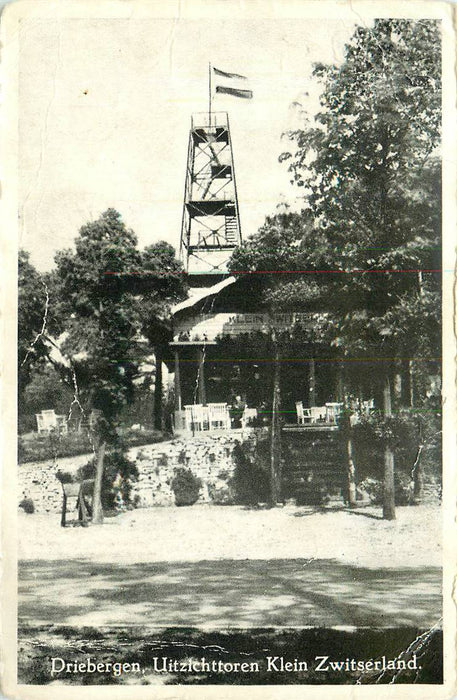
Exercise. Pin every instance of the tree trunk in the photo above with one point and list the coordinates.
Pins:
(352, 483)
(97, 510)
(275, 472)
(158, 389)
(388, 510)
(346, 429)
(417, 481)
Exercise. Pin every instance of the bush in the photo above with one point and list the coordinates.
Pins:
(118, 475)
(251, 478)
(186, 487)
(405, 432)
(27, 505)
(65, 477)
(220, 492)
(43, 447)
(374, 490)
(313, 492)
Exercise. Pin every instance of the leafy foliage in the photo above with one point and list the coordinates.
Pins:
(27, 506)
(251, 479)
(47, 447)
(414, 437)
(32, 309)
(363, 249)
(109, 292)
(185, 486)
(118, 475)
(46, 389)
(371, 175)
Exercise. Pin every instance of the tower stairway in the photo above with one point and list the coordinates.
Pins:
(231, 230)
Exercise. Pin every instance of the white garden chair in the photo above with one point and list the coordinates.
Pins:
(248, 416)
(197, 417)
(333, 411)
(318, 414)
(218, 416)
(48, 420)
(304, 415)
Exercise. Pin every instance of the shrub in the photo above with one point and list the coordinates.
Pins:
(186, 487)
(27, 505)
(251, 479)
(374, 490)
(405, 432)
(43, 447)
(313, 492)
(64, 477)
(118, 475)
(220, 491)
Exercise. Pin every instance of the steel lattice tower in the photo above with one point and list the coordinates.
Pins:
(210, 228)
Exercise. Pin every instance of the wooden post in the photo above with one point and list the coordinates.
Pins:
(82, 510)
(63, 519)
(411, 383)
(201, 377)
(398, 386)
(178, 399)
(177, 423)
(388, 510)
(339, 388)
(312, 383)
(275, 471)
(158, 390)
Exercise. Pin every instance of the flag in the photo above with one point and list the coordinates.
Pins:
(231, 84)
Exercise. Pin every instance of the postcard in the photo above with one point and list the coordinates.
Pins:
(228, 393)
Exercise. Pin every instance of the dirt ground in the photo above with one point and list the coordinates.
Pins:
(214, 567)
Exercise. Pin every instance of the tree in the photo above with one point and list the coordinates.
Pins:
(159, 260)
(108, 292)
(32, 316)
(286, 243)
(47, 390)
(369, 233)
(371, 174)
(370, 170)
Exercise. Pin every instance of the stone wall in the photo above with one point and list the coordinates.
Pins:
(37, 480)
(209, 457)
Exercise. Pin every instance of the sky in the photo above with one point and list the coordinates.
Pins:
(105, 108)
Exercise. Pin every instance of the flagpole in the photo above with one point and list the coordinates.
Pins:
(209, 96)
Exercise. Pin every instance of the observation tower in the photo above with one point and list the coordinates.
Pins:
(210, 228)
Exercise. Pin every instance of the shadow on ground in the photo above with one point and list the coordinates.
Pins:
(227, 594)
(163, 657)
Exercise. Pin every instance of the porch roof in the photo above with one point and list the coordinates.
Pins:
(200, 294)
